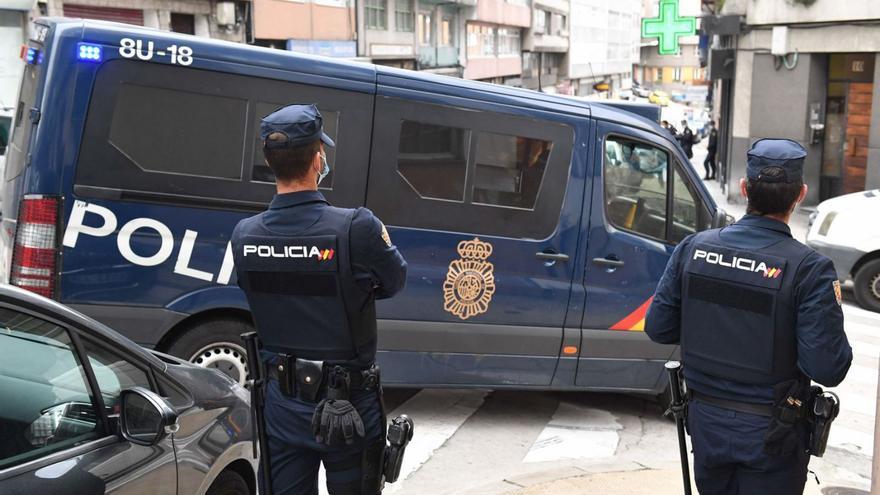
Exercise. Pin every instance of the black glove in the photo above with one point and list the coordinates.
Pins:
(336, 421)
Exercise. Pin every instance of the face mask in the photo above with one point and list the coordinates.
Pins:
(325, 170)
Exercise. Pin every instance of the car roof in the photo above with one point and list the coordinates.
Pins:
(239, 53)
(55, 310)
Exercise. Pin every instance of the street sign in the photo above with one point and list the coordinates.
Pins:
(668, 27)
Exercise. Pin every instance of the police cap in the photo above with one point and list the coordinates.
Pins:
(302, 124)
(784, 154)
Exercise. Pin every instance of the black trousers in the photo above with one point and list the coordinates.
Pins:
(709, 164)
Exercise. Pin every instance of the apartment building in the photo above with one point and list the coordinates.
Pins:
(604, 44)
(493, 42)
(545, 45)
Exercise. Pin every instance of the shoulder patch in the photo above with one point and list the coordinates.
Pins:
(385, 236)
(837, 293)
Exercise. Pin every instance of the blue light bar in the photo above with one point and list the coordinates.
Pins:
(31, 56)
(89, 52)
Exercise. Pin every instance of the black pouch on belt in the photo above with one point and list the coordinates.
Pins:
(309, 379)
(784, 434)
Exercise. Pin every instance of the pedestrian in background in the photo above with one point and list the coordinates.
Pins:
(712, 148)
(686, 139)
(757, 315)
(670, 128)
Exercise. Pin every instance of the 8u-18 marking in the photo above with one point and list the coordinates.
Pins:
(129, 48)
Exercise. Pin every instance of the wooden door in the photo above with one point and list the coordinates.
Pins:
(858, 125)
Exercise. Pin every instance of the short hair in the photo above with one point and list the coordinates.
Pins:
(771, 198)
(290, 164)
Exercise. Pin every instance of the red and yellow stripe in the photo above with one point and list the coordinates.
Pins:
(635, 321)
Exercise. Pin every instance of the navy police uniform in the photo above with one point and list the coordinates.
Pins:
(311, 273)
(757, 314)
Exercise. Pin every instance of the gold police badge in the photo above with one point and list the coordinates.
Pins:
(837, 293)
(470, 281)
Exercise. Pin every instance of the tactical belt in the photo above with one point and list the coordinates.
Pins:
(733, 405)
(360, 379)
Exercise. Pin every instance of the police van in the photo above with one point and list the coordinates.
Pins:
(535, 226)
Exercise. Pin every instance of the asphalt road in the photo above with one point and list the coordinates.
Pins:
(492, 442)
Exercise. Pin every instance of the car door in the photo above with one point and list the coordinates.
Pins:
(644, 202)
(57, 423)
(480, 200)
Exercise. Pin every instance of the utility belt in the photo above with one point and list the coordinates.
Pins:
(795, 412)
(310, 380)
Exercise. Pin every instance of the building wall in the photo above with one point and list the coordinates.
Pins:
(503, 12)
(604, 37)
(872, 177)
(12, 36)
(488, 67)
(281, 20)
(789, 12)
(157, 14)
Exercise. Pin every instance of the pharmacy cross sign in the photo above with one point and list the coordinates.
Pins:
(668, 27)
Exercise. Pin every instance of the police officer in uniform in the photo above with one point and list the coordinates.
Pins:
(311, 273)
(757, 315)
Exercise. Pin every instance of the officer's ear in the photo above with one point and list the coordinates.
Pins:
(742, 188)
(802, 195)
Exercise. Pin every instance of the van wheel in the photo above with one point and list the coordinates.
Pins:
(215, 344)
(867, 286)
(229, 483)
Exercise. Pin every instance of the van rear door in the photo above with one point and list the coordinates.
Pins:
(479, 197)
(644, 202)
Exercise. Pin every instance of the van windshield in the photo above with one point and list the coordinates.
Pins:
(21, 130)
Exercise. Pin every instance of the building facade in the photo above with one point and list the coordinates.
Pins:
(318, 27)
(810, 72)
(545, 45)
(604, 45)
(226, 20)
(493, 40)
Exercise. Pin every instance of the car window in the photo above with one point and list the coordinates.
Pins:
(46, 402)
(113, 374)
(635, 186)
(509, 169)
(688, 212)
(432, 159)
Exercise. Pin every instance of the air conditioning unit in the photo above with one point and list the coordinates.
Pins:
(225, 13)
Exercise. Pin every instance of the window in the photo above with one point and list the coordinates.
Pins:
(403, 15)
(47, 403)
(676, 74)
(168, 131)
(487, 41)
(425, 28)
(196, 141)
(509, 42)
(447, 35)
(557, 24)
(635, 186)
(689, 215)
(374, 11)
(113, 374)
(464, 170)
(433, 159)
(509, 169)
(540, 21)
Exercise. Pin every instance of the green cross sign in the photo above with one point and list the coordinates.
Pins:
(669, 27)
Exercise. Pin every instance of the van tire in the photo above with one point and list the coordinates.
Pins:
(866, 285)
(215, 344)
(229, 483)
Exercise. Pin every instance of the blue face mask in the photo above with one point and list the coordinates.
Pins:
(325, 170)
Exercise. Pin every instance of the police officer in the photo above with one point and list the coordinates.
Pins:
(757, 315)
(311, 273)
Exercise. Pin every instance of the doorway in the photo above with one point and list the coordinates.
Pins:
(847, 124)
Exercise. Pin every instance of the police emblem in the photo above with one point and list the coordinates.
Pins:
(470, 281)
(385, 236)
(837, 294)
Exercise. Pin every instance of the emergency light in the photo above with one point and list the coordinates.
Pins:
(29, 54)
(89, 52)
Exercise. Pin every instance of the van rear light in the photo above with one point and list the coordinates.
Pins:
(35, 254)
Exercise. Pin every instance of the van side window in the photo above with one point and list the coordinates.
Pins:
(175, 132)
(509, 169)
(461, 170)
(433, 159)
(689, 214)
(635, 186)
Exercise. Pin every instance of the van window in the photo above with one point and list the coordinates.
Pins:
(20, 134)
(635, 186)
(689, 214)
(462, 170)
(433, 159)
(509, 169)
(179, 135)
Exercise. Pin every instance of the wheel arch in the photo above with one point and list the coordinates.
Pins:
(866, 258)
(194, 320)
(246, 470)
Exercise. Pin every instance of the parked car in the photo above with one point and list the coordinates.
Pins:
(87, 411)
(659, 98)
(640, 90)
(846, 230)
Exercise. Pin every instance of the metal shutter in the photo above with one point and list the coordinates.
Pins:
(127, 16)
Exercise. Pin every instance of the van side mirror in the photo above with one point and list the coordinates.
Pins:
(722, 219)
(146, 418)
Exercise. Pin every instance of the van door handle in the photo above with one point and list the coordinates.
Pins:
(551, 256)
(609, 262)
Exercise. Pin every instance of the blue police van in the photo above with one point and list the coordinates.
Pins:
(535, 226)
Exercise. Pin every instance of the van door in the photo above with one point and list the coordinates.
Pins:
(484, 205)
(644, 202)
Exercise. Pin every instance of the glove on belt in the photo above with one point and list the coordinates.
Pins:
(336, 422)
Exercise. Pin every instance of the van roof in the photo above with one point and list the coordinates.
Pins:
(226, 51)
